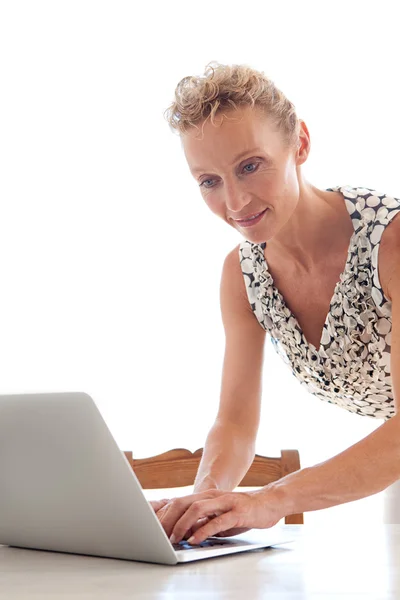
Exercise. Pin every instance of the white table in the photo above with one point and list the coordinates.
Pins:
(363, 562)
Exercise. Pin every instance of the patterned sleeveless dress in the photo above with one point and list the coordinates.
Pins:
(351, 367)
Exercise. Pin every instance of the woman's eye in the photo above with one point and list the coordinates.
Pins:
(253, 165)
(249, 168)
(204, 183)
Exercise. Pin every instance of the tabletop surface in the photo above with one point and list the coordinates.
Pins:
(332, 562)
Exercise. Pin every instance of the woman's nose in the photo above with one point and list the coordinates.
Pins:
(235, 198)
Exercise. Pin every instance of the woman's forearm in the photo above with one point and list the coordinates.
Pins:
(367, 467)
(227, 456)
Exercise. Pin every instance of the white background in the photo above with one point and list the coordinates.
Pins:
(110, 261)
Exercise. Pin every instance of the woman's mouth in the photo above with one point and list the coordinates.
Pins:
(252, 221)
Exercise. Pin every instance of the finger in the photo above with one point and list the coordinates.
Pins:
(199, 523)
(179, 506)
(158, 504)
(198, 510)
(232, 532)
(218, 525)
(195, 527)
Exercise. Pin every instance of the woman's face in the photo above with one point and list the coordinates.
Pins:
(243, 168)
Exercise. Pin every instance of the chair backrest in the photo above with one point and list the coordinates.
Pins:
(178, 468)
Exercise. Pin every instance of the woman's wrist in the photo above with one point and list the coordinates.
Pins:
(208, 483)
(277, 497)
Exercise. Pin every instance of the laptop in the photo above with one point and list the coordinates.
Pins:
(65, 486)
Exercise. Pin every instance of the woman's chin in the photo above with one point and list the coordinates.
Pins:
(256, 237)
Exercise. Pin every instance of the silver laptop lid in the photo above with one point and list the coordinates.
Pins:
(65, 485)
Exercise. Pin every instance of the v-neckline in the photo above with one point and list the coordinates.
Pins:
(349, 254)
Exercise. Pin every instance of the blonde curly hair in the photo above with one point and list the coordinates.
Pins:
(226, 87)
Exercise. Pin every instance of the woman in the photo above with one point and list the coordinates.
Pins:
(319, 271)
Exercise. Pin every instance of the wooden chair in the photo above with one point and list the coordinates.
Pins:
(178, 468)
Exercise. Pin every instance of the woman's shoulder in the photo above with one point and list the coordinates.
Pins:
(368, 199)
(389, 270)
(371, 195)
(362, 191)
(371, 210)
(236, 280)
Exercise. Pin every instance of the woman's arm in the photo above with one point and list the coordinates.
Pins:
(365, 468)
(230, 445)
(372, 464)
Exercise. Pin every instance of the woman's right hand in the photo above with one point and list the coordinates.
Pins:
(161, 507)
(158, 505)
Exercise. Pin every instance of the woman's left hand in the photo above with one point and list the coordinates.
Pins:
(215, 512)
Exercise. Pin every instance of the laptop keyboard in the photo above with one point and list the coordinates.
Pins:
(209, 543)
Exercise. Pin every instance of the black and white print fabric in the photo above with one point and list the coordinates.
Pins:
(351, 368)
